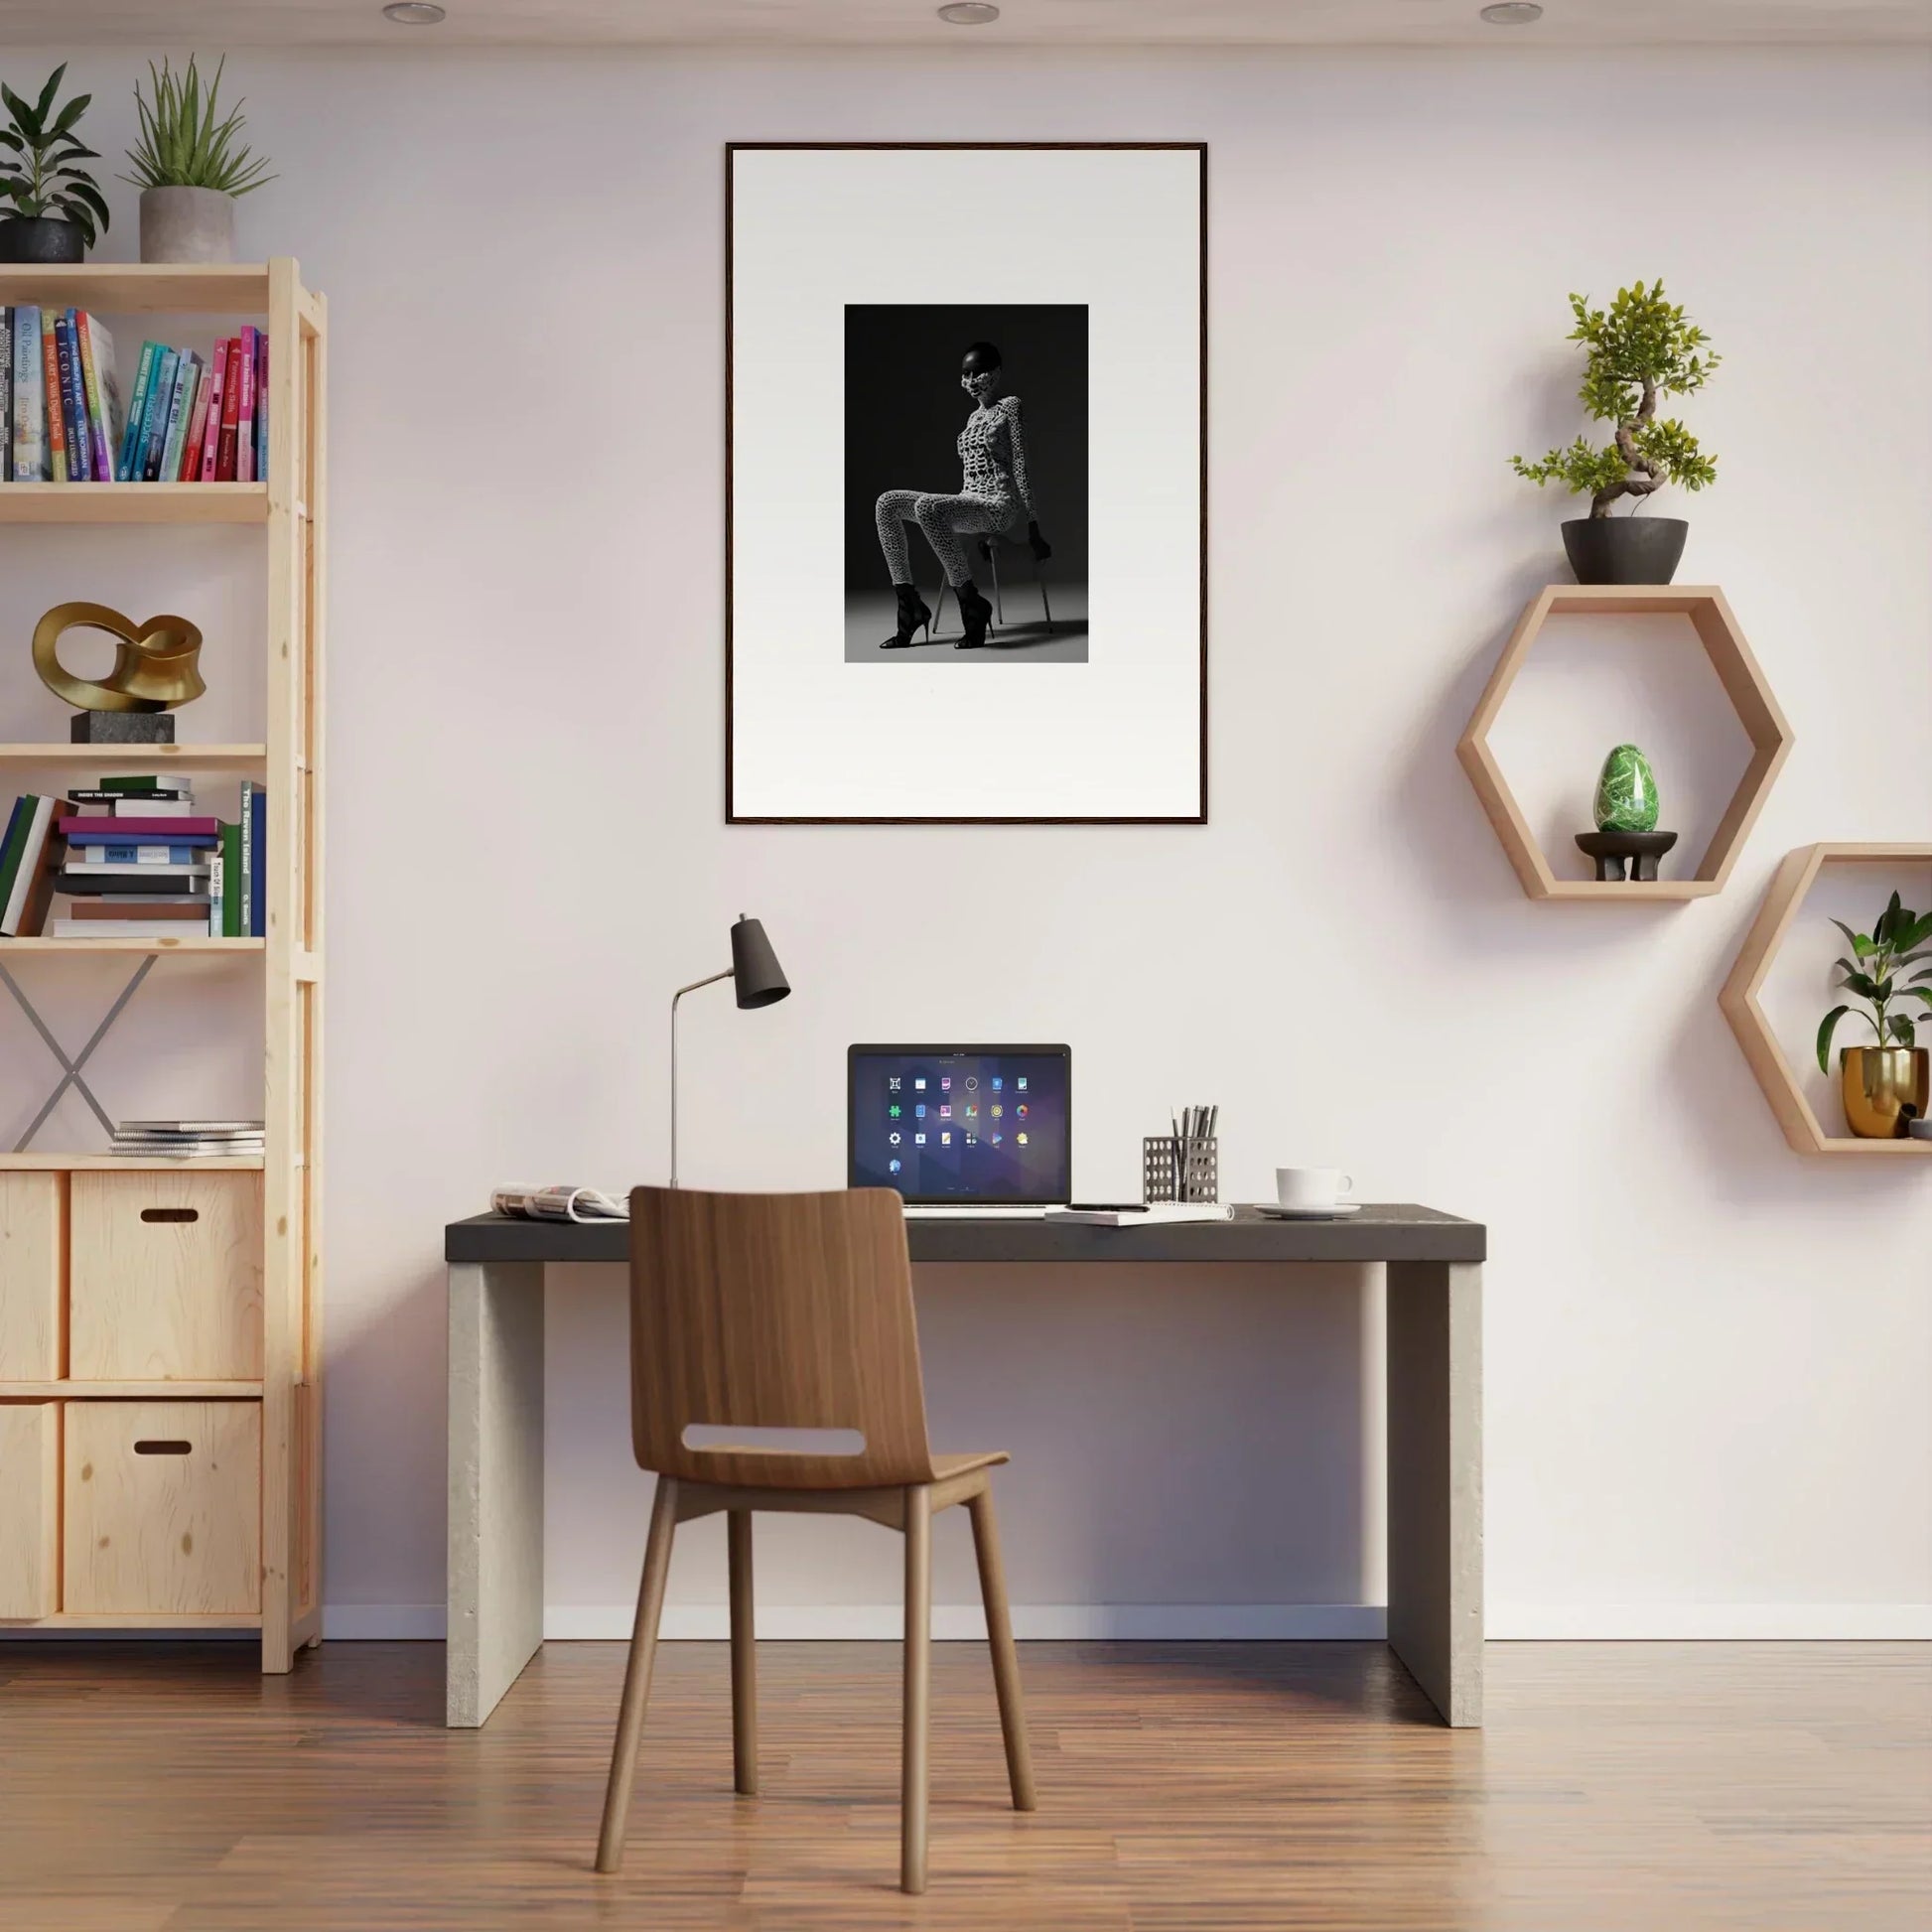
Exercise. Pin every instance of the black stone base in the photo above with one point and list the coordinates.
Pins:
(1611, 849)
(122, 728)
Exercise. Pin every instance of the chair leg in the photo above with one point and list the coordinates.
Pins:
(1045, 602)
(1006, 1660)
(744, 1667)
(939, 610)
(636, 1676)
(917, 1711)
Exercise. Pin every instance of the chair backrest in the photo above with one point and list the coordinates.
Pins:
(761, 1311)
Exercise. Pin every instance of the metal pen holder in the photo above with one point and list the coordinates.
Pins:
(1175, 1169)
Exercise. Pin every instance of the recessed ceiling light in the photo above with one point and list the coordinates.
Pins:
(413, 13)
(1512, 13)
(969, 13)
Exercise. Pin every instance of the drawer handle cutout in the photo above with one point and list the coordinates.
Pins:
(171, 1213)
(153, 1447)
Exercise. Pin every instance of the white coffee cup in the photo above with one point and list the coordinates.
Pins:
(1312, 1187)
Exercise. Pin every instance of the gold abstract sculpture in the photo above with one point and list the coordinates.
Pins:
(154, 662)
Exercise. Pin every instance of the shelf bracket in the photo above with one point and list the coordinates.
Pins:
(71, 1075)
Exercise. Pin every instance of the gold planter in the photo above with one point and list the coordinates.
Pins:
(1879, 1083)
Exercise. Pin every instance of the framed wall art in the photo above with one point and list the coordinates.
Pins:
(966, 495)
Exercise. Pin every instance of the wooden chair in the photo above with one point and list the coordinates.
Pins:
(777, 1312)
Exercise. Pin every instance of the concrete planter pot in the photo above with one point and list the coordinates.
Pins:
(187, 224)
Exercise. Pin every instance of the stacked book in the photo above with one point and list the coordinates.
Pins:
(187, 1139)
(188, 419)
(137, 861)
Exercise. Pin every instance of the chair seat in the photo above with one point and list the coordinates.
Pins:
(944, 1467)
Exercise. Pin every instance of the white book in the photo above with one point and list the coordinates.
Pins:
(152, 808)
(1161, 1214)
(123, 929)
(30, 856)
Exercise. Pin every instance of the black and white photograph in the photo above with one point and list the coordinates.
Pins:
(966, 486)
(966, 483)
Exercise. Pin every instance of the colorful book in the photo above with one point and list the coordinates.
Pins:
(154, 425)
(145, 906)
(57, 420)
(247, 815)
(103, 389)
(148, 782)
(133, 855)
(117, 929)
(190, 466)
(261, 406)
(258, 864)
(89, 881)
(224, 457)
(244, 469)
(178, 411)
(6, 394)
(126, 469)
(74, 402)
(100, 831)
(30, 406)
(218, 388)
(9, 846)
(33, 881)
(231, 900)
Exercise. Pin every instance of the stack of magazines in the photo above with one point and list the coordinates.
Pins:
(187, 1139)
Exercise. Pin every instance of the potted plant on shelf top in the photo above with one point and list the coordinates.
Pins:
(1638, 351)
(1884, 1086)
(189, 167)
(57, 210)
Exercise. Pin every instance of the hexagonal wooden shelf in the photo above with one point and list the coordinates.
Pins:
(1793, 879)
(1743, 683)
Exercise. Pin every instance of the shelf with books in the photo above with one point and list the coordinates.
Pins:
(132, 502)
(113, 757)
(283, 497)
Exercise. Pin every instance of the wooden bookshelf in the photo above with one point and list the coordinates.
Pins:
(48, 1199)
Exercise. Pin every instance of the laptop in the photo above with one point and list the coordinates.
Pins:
(962, 1129)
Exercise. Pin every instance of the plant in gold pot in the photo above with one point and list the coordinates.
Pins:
(1884, 1086)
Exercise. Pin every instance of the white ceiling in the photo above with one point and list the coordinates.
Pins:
(217, 24)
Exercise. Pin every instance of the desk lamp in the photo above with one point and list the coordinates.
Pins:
(759, 981)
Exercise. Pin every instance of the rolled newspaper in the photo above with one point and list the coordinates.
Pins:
(558, 1204)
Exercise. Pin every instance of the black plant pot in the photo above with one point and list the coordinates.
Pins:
(1624, 549)
(41, 239)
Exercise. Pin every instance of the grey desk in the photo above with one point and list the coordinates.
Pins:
(1435, 1403)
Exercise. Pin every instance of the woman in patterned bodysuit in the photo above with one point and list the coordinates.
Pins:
(994, 498)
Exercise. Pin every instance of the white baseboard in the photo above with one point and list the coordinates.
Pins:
(1198, 1622)
(1709, 1622)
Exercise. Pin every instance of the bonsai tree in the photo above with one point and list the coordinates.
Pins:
(1895, 941)
(38, 150)
(183, 144)
(1638, 351)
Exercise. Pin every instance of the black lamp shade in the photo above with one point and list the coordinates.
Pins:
(757, 978)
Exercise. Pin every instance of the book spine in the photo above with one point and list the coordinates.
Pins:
(6, 394)
(244, 471)
(261, 406)
(211, 432)
(230, 416)
(232, 882)
(57, 417)
(84, 333)
(191, 448)
(248, 817)
(258, 867)
(16, 823)
(178, 411)
(28, 449)
(137, 405)
(161, 396)
(138, 855)
(217, 900)
(23, 880)
(74, 402)
(39, 863)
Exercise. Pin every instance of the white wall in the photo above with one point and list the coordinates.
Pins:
(1707, 1357)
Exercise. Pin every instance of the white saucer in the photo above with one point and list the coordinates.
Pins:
(1271, 1211)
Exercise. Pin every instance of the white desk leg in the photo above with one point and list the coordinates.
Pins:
(1435, 1328)
(495, 1574)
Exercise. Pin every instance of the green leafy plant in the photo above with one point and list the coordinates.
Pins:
(38, 150)
(1897, 940)
(1640, 350)
(185, 143)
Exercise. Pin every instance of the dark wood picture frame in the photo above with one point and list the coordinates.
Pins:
(735, 148)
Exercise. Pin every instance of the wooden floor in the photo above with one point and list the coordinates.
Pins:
(1626, 1786)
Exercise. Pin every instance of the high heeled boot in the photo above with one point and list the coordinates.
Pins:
(975, 614)
(912, 615)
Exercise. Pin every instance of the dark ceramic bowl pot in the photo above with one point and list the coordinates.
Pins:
(41, 239)
(1624, 549)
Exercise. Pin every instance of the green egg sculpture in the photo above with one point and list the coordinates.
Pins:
(1626, 792)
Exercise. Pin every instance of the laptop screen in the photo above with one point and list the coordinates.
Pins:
(961, 1124)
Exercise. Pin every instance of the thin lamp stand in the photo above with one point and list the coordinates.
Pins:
(675, 998)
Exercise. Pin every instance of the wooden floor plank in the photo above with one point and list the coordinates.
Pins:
(1183, 1788)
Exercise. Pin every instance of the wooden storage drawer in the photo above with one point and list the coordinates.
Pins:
(166, 1277)
(162, 1503)
(32, 1269)
(29, 1508)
